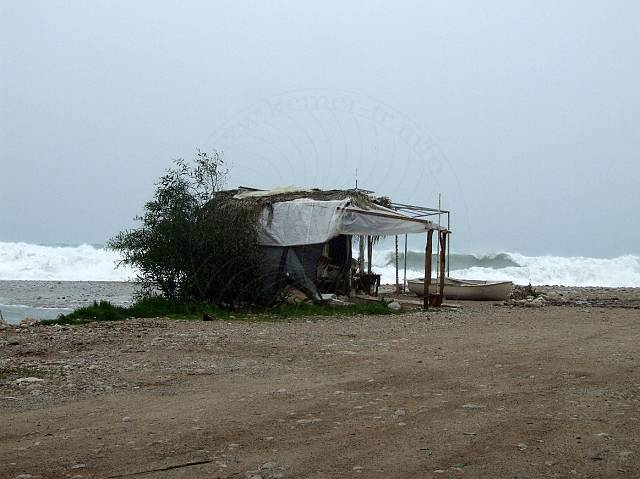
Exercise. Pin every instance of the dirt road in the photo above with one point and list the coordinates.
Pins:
(488, 391)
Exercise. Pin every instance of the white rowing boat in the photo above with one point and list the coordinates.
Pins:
(465, 289)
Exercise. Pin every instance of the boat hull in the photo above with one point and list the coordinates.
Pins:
(458, 289)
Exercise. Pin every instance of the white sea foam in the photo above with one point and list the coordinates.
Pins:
(24, 261)
(622, 271)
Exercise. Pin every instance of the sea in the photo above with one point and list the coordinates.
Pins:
(44, 281)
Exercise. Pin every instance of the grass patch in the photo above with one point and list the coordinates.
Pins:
(159, 307)
(103, 311)
(144, 308)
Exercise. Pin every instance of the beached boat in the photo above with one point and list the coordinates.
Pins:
(466, 289)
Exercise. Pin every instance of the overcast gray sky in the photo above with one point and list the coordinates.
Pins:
(523, 114)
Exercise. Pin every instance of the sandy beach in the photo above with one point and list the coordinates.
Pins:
(486, 390)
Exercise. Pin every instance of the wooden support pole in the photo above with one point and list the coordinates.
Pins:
(427, 267)
(369, 253)
(350, 275)
(448, 242)
(397, 269)
(404, 280)
(441, 265)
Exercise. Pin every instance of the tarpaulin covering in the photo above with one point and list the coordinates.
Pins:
(305, 221)
(379, 222)
(300, 222)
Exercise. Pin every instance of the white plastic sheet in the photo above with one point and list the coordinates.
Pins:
(299, 222)
(379, 222)
(306, 221)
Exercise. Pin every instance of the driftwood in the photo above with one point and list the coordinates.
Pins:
(160, 469)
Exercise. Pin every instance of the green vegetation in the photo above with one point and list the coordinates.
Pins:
(194, 243)
(156, 307)
(151, 307)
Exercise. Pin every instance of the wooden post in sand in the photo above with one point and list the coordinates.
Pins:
(397, 269)
(441, 265)
(369, 253)
(427, 267)
(361, 254)
(404, 278)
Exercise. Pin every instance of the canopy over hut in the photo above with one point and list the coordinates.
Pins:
(306, 236)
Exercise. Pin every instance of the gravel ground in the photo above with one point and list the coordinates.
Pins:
(487, 390)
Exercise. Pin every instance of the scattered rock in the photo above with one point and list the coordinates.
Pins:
(29, 322)
(308, 421)
(535, 303)
(523, 292)
(295, 296)
(268, 470)
(29, 380)
(394, 306)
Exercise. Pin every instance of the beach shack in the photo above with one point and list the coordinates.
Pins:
(307, 238)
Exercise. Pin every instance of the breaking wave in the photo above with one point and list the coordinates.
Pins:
(25, 261)
(622, 271)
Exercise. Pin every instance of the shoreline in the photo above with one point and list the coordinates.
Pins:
(20, 299)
